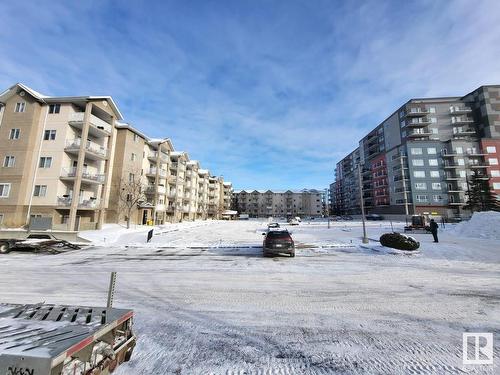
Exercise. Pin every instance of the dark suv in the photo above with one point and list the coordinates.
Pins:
(277, 242)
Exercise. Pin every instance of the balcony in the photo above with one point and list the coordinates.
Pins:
(151, 189)
(89, 204)
(415, 134)
(89, 177)
(452, 177)
(463, 132)
(98, 128)
(415, 112)
(453, 166)
(461, 120)
(92, 150)
(460, 110)
(151, 172)
(418, 122)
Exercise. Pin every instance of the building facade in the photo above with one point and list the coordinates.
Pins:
(259, 203)
(420, 159)
(66, 159)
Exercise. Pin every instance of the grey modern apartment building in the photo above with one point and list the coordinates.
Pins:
(265, 203)
(421, 158)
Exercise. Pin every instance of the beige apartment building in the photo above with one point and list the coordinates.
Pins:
(67, 159)
(289, 203)
(56, 155)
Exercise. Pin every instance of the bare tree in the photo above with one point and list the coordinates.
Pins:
(131, 192)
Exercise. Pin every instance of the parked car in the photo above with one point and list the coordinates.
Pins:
(273, 225)
(346, 217)
(278, 242)
(243, 217)
(374, 217)
(294, 221)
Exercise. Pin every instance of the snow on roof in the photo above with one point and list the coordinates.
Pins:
(227, 183)
(203, 171)
(124, 125)
(303, 191)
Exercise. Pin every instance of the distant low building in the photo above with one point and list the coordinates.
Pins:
(264, 203)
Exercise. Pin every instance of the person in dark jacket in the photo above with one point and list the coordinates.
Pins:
(434, 230)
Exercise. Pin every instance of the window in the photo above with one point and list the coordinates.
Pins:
(496, 185)
(491, 149)
(421, 198)
(435, 131)
(418, 162)
(432, 109)
(459, 150)
(4, 190)
(14, 133)
(40, 191)
(402, 124)
(431, 150)
(495, 173)
(136, 137)
(493, 161)
(461, 162)
(20, 107)
(434, 174)
(45, 162)
(436, 186)
(433, 162)
(49, 135)
(54, 108)
(437, 198)
(421, 186)
(1, 219)
(133, 156)
(9, 161)
(416, 151)
(131, 177)
(462, 174)
(419, 174)
(433, 120)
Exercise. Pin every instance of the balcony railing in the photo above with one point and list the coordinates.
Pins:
(83, 203)
(94, 121)
(459, 110)
(417, 112)
(86, 175)
(74, 144)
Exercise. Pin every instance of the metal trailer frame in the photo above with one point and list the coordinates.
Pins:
(45, 339)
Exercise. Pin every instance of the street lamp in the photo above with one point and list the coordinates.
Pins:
(365, 239)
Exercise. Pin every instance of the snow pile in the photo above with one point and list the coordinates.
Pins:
(481, 225)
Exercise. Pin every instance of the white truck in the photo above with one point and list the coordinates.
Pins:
(44, 339)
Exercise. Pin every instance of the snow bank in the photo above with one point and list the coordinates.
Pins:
(481, 225)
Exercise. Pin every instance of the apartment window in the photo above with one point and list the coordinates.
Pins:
(131, 177)
(421, 198)
(493, 161)
(4, 190)
(434, 131)
(49, 135)
(496, 185)
(491, 149)
(136, 137)
(433, 162)
(133, 157)
(20, 107)
(436, 186)
(431, 150)
(9, 161)
(54, 108)
(433, 120)
(437, 198)
(461, 162)
(432, 109)
(495, 173)
(419, 174)
(1, 219)
(459, 150)
(402, 124)
(416, 151)
(421, 186)
(14, 133)
(462, 174)
(418, 162)
(40, 191)
(45, 162)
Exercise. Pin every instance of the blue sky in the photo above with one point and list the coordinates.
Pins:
(270, 94)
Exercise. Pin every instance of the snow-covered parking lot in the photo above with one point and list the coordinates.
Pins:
(206, 301)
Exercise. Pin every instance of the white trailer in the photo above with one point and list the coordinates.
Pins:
(46, 339)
